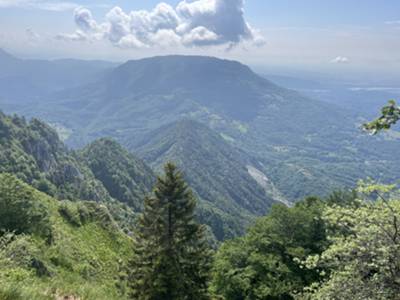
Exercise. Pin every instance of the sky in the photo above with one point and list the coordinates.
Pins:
(351, 35)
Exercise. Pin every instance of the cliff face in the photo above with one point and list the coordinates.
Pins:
(33, 152)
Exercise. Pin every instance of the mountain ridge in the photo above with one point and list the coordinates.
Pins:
(304, 146)
(215, 170)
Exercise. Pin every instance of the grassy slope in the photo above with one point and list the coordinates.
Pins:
(85, 258)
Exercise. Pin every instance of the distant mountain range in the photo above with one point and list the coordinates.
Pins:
(243, 141)
(27, 80)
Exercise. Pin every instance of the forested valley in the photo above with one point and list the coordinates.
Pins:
(98, 223)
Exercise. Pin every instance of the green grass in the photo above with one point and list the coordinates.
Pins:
(85, 260)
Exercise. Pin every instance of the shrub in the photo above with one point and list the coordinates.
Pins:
(20, 209)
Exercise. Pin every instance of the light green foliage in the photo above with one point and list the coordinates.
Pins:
(19, 210)
(390, 115)
(172, 257)
(364, 255)
(265, 264)
(85, 255)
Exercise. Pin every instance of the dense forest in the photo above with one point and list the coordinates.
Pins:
(98, 223)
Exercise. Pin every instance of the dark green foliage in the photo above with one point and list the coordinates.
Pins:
(33, 152)
(390, 116)
(124, 176)
(217, 172)
(20, 210)
(265, 264)
(172, 257)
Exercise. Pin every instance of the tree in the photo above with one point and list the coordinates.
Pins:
(390, 116)
(172, 257)
(265, 264)
(364, 255)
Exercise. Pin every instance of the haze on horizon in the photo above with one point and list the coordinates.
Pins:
(340, 37)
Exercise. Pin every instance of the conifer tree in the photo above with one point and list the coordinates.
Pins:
(172, 257)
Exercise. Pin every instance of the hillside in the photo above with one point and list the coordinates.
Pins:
(125, 177)
(215, 170)
(58, 249)
(106, 172)
(33, 152)
(303, 146)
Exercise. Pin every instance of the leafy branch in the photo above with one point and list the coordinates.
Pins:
(390, 116)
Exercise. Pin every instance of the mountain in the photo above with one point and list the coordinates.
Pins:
(25, 81)
(125, 177)
(54, 249)
(103, 172)
(216, 171)
(140, 96)
(303, 146)
(33, 152)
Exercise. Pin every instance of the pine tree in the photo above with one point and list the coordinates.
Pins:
(172, 257)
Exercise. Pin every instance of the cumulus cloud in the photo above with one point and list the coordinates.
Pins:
(340, 60)
(40, 4)
(190, 24)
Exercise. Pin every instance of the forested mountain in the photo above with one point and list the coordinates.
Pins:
(33, 152)
(105, 172)
(303, 146)
(125, 177)
(212, 167)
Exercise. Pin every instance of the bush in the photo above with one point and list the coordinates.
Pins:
(20, 209)
(69, 211)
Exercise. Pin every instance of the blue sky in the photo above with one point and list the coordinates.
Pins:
(350, 34)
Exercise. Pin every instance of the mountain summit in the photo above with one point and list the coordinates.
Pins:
(229, 87)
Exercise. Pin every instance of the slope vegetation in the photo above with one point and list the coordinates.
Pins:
(214, 169)
(51, 249)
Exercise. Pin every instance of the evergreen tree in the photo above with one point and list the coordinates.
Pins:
(172, 257)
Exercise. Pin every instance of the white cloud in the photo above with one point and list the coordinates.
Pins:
(77, 36)
(340, 60)
(84, 19)
(130, 41)
(190, 24)
(40, 4)
(200, 36)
